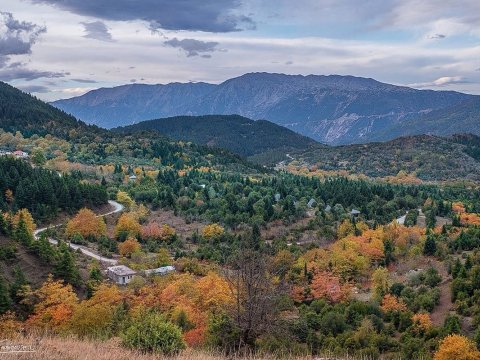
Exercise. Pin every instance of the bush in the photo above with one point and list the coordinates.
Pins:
(150, 332)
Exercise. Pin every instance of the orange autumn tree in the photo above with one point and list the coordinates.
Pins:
(86, 224)
(391, 304)
(129, 246)
(422, 322)
(54, 306)
(127, 226)
(324, 285)
(187, 301)
(456, 347)
(153, 231)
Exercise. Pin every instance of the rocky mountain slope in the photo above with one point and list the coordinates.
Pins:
(332, 109)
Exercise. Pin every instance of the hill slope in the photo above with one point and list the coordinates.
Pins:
(431, 158)
(332, 109)
(235, 133)
(462, 117)
(22, 112)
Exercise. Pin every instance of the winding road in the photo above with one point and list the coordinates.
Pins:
(116, 209)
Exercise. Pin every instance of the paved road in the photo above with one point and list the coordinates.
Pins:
(116, 208)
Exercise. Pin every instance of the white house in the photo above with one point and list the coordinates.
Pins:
(164, 270)
(121, 274)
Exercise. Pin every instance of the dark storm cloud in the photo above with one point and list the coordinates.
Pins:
(97, 30)
(193, 47)
(19, 71)
(205, 15)
(16, 37)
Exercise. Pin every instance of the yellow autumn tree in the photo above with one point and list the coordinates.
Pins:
(25, 215)
(127, 226)
(87, 224)
(125, 199)
(212, 231)
(94, 316)
(457, 347)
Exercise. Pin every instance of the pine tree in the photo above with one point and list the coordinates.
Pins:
(22, 233)
(20, 280)
(430, 246)
(66, 268)
(5, 300)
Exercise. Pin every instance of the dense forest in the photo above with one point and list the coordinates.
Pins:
(43, 192)
(240, 135)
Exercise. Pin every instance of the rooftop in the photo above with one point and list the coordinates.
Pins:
(121, 270)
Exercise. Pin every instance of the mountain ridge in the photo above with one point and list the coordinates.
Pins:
(333, 109)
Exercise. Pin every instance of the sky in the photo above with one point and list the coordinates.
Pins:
(63, 48)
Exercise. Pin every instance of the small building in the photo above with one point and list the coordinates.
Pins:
(132, 177)
(311, 203)
(354, 212)
(277, 197)
(121, 274)
(19, 154)
(164, 270)
(328, 208)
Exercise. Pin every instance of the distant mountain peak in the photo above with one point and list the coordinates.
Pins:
(333, 109)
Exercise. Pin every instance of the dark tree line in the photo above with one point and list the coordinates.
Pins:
(43, 192)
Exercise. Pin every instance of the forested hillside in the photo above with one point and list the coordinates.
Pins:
(43, 192)
(425, 157)
(235, 133)
(22, 112)
(207, 252)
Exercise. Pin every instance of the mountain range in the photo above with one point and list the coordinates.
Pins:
(431, 158)
(331, 109)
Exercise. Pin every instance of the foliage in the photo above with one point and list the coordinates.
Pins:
(129, 246)
(456, 347)
(150, 332)
(86, 224)
(127, 226)
(54, 305)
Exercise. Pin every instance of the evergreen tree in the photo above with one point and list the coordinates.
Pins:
(5, 300)
(66, 268)
(430, 246)
(19, 281)
(22, 233)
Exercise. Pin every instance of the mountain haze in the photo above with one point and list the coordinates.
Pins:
(332, 109)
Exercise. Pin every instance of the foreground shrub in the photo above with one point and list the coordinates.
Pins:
(149, 332)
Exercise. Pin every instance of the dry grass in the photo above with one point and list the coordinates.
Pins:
(51, 348)
(56, 348)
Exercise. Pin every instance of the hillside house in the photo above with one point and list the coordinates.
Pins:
(164, 270)
(120, 274)
(19, 154)
(354, 213)
(311, 203)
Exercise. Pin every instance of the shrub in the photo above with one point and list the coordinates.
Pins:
(150, 332)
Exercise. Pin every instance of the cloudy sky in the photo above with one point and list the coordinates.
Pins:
(57, 49)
